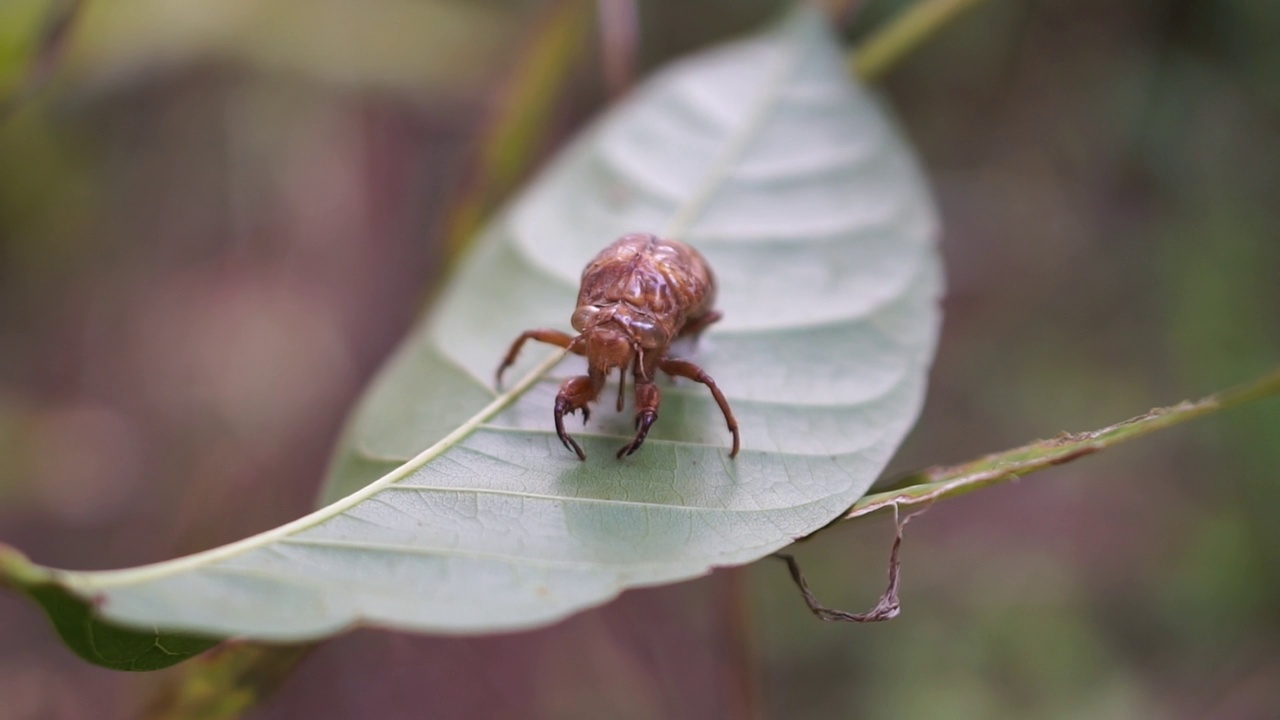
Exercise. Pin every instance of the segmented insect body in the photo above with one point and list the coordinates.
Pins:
(637, 296)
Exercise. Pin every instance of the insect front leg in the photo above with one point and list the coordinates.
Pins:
(647, 401)
(574, 395)
(684, 368)
(551, 337)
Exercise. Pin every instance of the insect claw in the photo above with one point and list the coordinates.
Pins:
(571, 444)
(630, 448)
(644, 421)
(561, 407)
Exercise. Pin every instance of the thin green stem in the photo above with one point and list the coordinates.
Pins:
(525, 105)
(889, 45)
(47, 51)
(935, 483)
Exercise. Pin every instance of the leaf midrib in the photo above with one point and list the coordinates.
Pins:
(87, 580)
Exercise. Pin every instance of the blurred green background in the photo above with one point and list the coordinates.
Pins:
(219, 216)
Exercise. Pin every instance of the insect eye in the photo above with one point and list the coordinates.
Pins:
(648, 334)
(583, 317)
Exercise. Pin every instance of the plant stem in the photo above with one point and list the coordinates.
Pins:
(889, 45)
(46, 55)
(525, 106)
(226, 682)
(945, 481)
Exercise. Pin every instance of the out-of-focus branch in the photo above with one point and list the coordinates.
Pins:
(619, 42)
(889, 45)
(227, 681)
(841, 12)
(46, 51)
(522, 113)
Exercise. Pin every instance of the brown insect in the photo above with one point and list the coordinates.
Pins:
(637, 296)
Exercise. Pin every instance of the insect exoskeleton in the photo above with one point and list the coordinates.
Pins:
(637, 296)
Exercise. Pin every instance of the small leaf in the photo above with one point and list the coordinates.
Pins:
(811, 210)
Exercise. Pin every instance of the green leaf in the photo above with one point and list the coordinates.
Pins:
(810, 207)
(98, 642)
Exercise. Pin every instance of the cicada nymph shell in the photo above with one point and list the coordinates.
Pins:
(637, 296)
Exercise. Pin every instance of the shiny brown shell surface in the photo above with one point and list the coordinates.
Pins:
(666, 280)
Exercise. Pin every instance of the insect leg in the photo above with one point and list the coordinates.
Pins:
(647, 401)
(694, 327)
(551, 337)
(684, 368)
(622, 387)
(574, 395)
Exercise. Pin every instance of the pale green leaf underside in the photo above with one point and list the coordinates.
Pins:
(811, 210)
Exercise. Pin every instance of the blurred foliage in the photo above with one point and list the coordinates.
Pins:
(23, 25)
(217, 218)
(517, 125)
(398, 44)
(227, 682)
